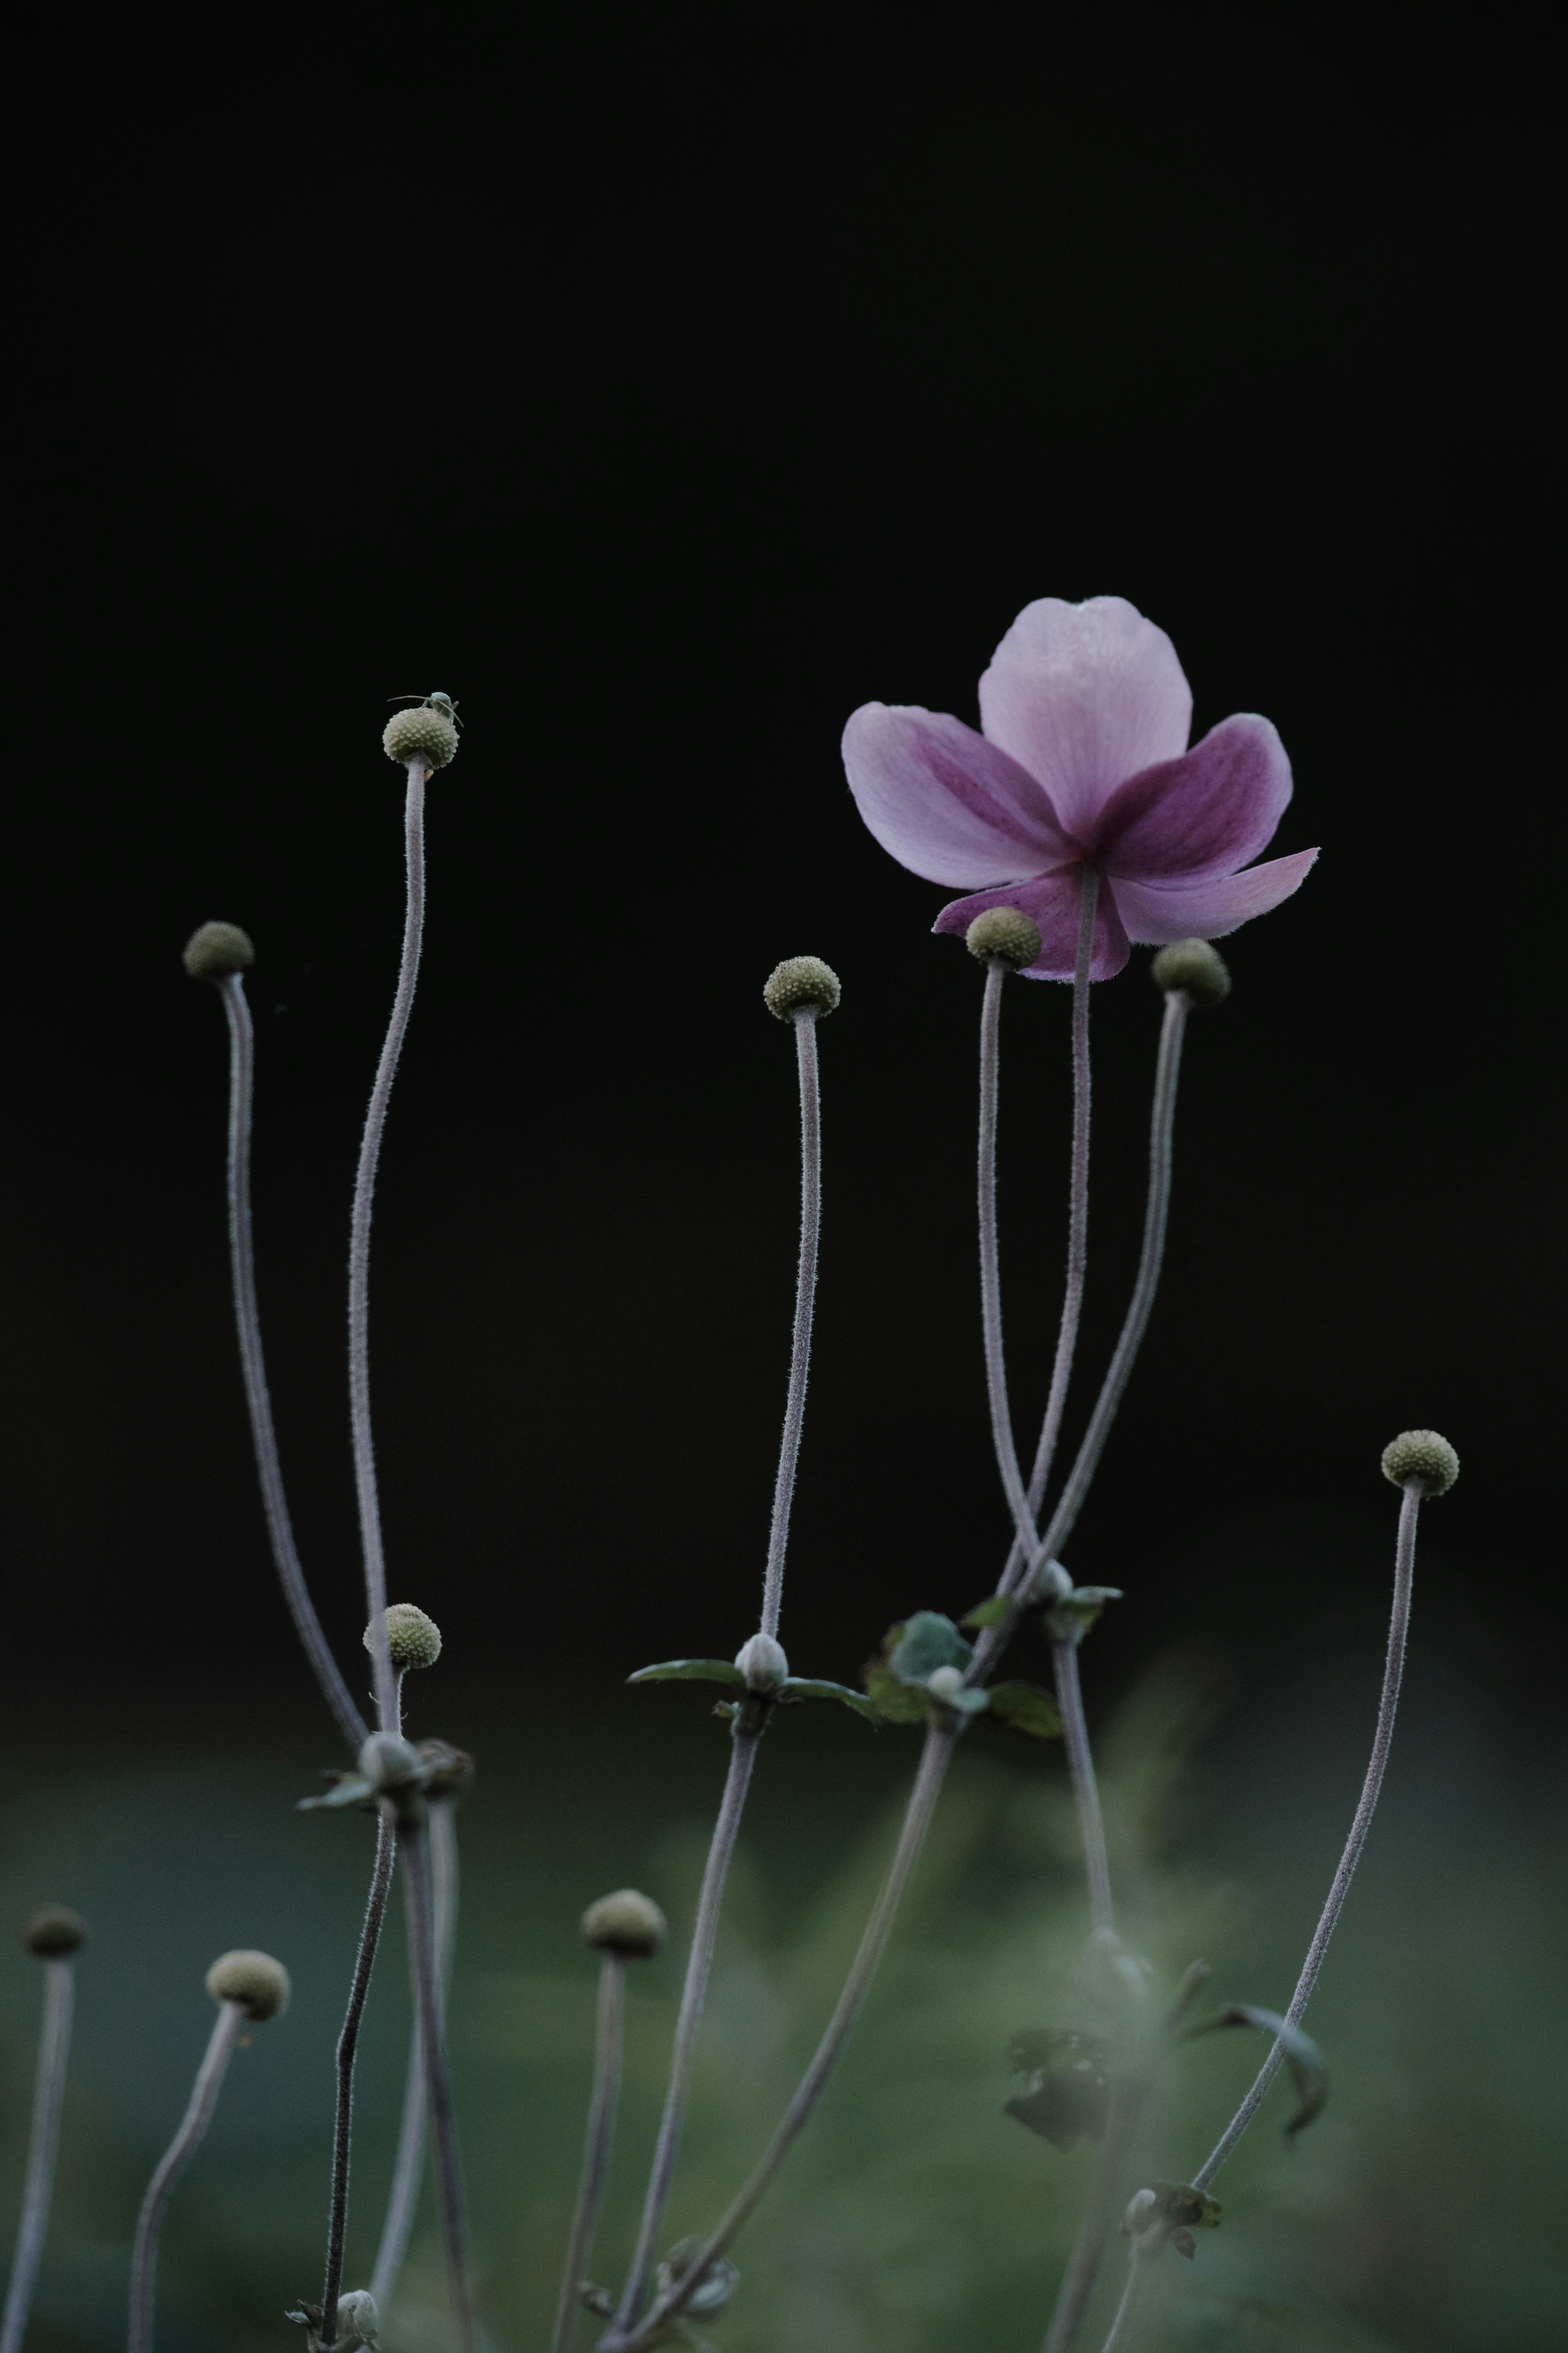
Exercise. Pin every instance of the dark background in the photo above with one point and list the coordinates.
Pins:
(663, 385)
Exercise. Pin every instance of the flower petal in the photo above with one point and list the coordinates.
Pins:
(1206, 813)
(947, 804)
(1051, 903)
(1156, 913)
(1085, 696)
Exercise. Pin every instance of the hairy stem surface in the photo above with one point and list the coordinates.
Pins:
(427, 2005)
(49, 2095)
(804, 1301)
(1001, 1436)
(1086, 1788)
(410, 2165)
(1107, 2198)
(596, 2142)
(348, 2044)
(175, 2157)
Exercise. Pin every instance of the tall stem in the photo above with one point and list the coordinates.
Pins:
(1383, 1738)
(248, 1323)
(1120, 2331)
(411, 1838)
(934, 1761)
(176, 2157)
(410, 2165)
(596, 2147)
(805, 1300)
(990, 1268)
(1106, 2194)
(1086, 1788)
(693, 1993)
(49, 2095)
(348, 2043)
(358, 1251)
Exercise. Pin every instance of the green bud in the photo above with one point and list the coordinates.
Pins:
(414, 1640)
(1422, 1455)
(624, 1922)
(215, 951)
(53, 1932)
(255, 1980)
(763, 1662)
(1004, 936)
(1195, 968)
(798, 982)
(422, 734)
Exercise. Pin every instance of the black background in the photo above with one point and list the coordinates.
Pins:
(663, 384)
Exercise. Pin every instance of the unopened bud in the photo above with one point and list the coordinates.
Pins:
(799, 982)
(945, 1683)
(414, 1640)
(53, 1932)
(763, 1662)
(389, 1764)
(422, 734)
(1140, 2212)
(257, 1983)
(1004, 936)
(215, 951)
(624, 1922)
(1421, 1455)
(358, 2319)
(450, 1771)
(1194, 967)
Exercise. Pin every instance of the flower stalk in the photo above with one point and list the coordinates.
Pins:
(414, 1845)
(48, 2097)
(409, 2164)
(805, 1021)
(348, 2045)
(193, 2128)
(602, 2105)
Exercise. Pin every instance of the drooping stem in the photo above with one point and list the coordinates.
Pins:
(348, 2044)
(1387, 1707)
(934, 1761)
(805, 1300)
(409, 2166)
(175, 2157)
(248, 1323)
(358, 1251)
(596, 2142)
(1086, 1788)
(49, 2095)
(415, 1846)
(990, 1268)
(693, 1994)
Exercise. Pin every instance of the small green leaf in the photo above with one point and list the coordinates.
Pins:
(1309, 2068)
(728, 1709)
(351, 1790)
(804, 1687)
(1027, 1707)
(1069, 2097)
(1069, 1619)
(895, 1702)
(690, 1671)
(1186, 2207)
(929, 1640)
(989, 1612)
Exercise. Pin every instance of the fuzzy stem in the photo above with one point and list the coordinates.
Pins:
(49, 2095)
(348, 2043)
(1086, 1788)
(248, 1323)
(934, 1761)
(427, 2008)
(175, 2157)
(409, 2166)
(693, 1993)
(358, 1251)
(596, 2147)
(805, 1299)
(1388, 1702)
(1100, 2215)
(990, 1270)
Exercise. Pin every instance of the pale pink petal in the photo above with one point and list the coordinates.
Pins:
(1051, 903)
(1085, 695)
(946, 803)
(1206, 813)
(1155, 913)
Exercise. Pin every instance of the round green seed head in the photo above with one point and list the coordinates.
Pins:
(421, 733)
(255, 1980)
(1004, 936)
(1423, 1455)
(214, 951)
(624, 1922)
(798, 982)
(53, 1932)
(414, 1640)
(1196, 967)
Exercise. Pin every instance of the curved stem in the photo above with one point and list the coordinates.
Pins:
(1086, 1788)
(596, 2147)
(1106, 2194)
(693, 1993)
(427, 2005)
(410, 2165)
(990, 1268)
(49, 2095)
(934, 1761)
(1387, 1707)
(358, 1251)
(1120, 2331)
(248, 1323)
(348, 2043)
(805, 1299)
(176, 2157)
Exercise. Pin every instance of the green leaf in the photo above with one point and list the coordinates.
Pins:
(989, 1612)
(1069, 2098)
(1184, 2207)
(895, 1702)
(1027, 1707)
(690, 1671)
(1070, 1618)
(929, 1640)
(1034, 2047)
(804, 1687)
(351, 1790)
(1309, 2068)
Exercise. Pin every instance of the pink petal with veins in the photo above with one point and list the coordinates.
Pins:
(1206, 813)
(1155, 913)
(1051, 903)
(947, 804)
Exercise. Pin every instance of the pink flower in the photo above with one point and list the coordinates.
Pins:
(1082, 760)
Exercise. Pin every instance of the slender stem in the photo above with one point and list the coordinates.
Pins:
(175, 2157)
(1085, 1790)
(248, 1323)
(358, 1251)
(1121, 2329)
(934, 1761)
(805, 1299)
(1002, 1437)
(410, 2162)
(348, 2043)
(596, 2147)
(427, 2006)
(49, 2095)
(693, 1993)
(1100, 2215)
(1393, 1672)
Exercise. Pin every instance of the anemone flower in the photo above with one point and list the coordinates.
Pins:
(1081, 760)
